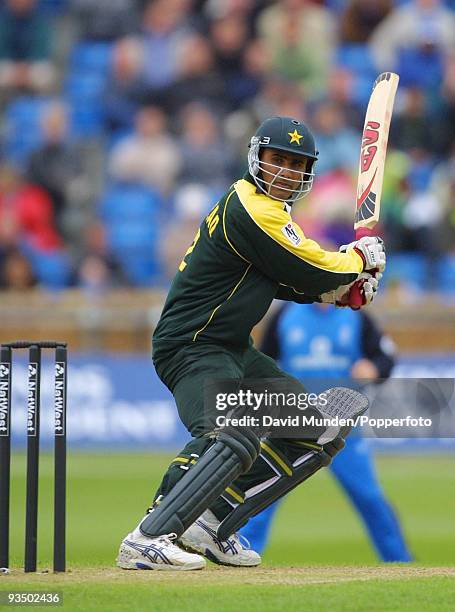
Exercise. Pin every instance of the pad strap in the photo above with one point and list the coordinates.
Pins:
(261, 496)
(233, 453)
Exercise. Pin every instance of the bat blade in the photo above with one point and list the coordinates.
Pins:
(373, 152)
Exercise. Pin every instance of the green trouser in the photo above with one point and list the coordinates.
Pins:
(184, 372)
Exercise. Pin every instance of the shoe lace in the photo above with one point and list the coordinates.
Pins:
(168, 539)
(243, 541)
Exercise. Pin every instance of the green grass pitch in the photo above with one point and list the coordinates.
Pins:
(319, 556)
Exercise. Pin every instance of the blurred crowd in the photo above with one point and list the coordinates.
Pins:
(122, 122)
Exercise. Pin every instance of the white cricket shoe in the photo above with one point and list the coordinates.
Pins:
(138, 552)
(201, 537)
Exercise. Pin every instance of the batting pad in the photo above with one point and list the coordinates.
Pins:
(343, 405)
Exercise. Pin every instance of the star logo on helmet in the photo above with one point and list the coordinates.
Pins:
(295, 137)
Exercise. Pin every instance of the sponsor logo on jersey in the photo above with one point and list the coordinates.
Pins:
(290, 233)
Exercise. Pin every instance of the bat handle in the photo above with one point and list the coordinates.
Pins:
(355, 296)
(355, 293)
(362, 232)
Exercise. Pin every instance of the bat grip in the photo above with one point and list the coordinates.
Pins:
(355, 293)
(362, 232)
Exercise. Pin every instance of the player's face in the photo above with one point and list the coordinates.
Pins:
(283, 170)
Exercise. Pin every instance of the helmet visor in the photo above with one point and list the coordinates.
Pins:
(278, 182)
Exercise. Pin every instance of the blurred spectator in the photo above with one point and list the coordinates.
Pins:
(255, 69)
(423, 211)
(413, 37)
(292, 106)
(25, 48)
(165, 25)
(124, 90)
(340, 89)
(411, 121)
(192, 202)
(26, 214)
(15, 271)
(97, 270)
(442, 186)
(104, 19)
(206, 158)
(274, 92)
(394, 197)
(149, 156)
(443, 119)
(245, 10)
(197, 79)
(56, 165)
(292, 30)
(229, 36)
(338, 144)
(360, 18)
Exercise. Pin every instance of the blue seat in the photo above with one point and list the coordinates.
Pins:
(123, 202)
(141, 271)
(86, 120)
(357, 58)
(81, 85)
(52, 269)
(23, 132)
(91, 58)
(420, 68)
(446, 274)
(84, 95)
(132, 236)
(130, 213)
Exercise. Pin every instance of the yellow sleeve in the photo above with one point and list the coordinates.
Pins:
(264, 233)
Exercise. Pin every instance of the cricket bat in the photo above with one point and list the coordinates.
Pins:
(372, 161)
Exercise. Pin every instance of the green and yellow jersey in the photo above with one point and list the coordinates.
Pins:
(246, 252)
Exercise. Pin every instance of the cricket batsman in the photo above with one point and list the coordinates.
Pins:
(247, 252)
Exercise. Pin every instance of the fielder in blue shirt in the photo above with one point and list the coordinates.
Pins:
(316, 341)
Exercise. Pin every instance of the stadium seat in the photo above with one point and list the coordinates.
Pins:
(83, 93)
(141, 271)
(446, 274)
(52, 268)
(124, 202)
(420, 68)
(91, 58)
(130, 213)
(84, 85)
(357, 58)
(23, 131)
(133, 236)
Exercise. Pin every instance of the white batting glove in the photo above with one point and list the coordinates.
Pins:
(370, 286)
(371, 250)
